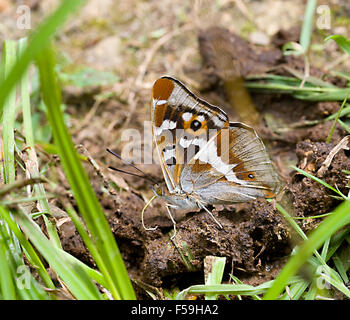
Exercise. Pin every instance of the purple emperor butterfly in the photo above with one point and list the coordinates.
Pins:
(205, 159)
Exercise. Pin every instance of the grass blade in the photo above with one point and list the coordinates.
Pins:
(8, 119)
(7, 285)
(32, 163)
(318, 180)
(295, 290)
(306, 30)
(337, 118)
(70, 271)
(10, 251)
(342, 42)
(232, 289)
(340, 267)
(330, 225)
(31, 254)
(344, 125)
(38, 41)
(109, 261)
(214, 270)
(320, 263)
(25, 98)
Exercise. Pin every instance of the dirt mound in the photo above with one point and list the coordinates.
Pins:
(255, 238)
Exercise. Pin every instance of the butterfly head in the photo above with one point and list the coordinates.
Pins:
(160, 190)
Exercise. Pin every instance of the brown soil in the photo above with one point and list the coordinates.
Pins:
(142, 40)
(255, 239)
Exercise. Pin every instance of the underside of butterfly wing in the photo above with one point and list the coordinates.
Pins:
(232, 167)
(181, 123)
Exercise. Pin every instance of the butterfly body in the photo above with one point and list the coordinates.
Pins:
(181, 201)
(205, 159)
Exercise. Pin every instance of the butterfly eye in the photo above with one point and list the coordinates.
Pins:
(159, 191)
(195, 125)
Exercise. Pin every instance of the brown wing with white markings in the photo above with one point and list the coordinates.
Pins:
(232, 167)
(182, 124)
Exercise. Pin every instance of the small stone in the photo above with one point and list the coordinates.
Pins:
(259, 38)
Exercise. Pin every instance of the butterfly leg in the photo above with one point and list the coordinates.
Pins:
(168, 206)
(210, 213)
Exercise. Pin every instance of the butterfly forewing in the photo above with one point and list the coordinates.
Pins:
(182, 125)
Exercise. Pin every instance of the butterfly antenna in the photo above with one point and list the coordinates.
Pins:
(133, 174)
(144, 175)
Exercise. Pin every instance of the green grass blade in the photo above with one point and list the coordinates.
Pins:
(336, 242)
(308, 93)
(313, 217)
(295, 290)
(30, 144)
(306, 30)
(71, 272)
(325, 249)
(10, 251)
(318, 180)
(25, 98)
(329, 226)
(84, 234)
(320, 259)
(336, 119)
(38, 41)
(8, 118)
(111, 264)
(31, 254)
(21, 200)
(343, 113)
(232, 289)
(92, 273)
(7, 286)
(344, 125)
(342, 42)
(333, 95)
(216, 265)
(238, 281)
(340, 267)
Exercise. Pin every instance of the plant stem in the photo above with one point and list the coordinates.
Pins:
(337, 118)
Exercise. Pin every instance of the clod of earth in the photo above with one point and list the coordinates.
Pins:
(255, 238)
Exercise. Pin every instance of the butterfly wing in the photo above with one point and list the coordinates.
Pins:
(232, 167)
(180, 122)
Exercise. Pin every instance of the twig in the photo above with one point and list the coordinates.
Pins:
(306, 71)
(98, 171)
(6, 189)
(343, 144)
(132, 100)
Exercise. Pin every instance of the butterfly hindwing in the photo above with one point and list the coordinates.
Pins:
(232, 167)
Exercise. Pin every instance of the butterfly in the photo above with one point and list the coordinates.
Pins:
(205, 159)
